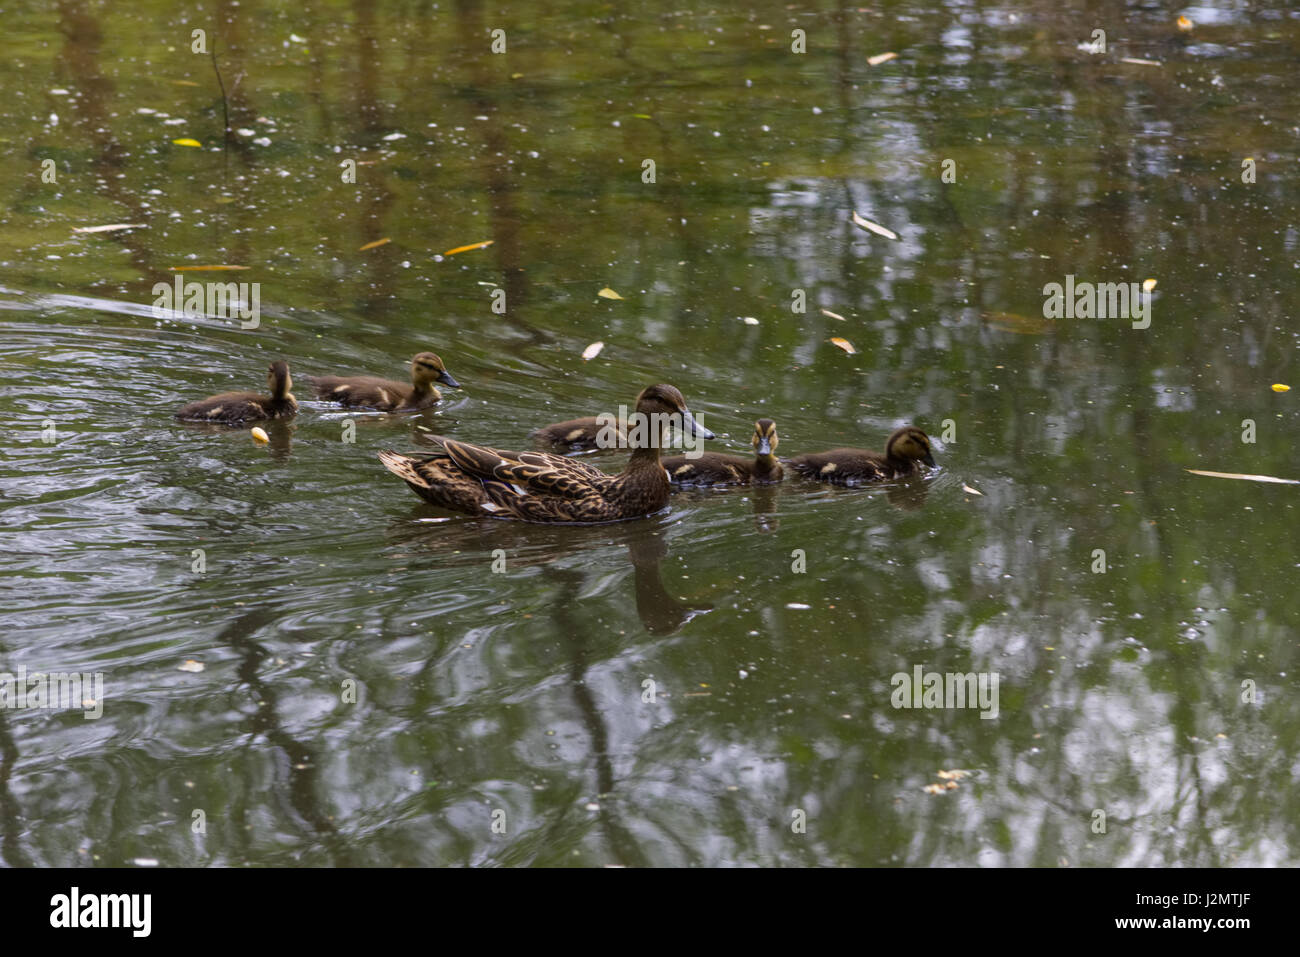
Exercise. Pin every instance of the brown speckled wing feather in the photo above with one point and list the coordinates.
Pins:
(538, 472)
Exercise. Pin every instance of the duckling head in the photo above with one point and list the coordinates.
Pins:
(765, 440)
(909, 443)
(665, 400)
(278, 380)
(426, 369)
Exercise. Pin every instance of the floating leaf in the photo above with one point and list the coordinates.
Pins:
(464, 249)
(880, 58)
(843, 344)
(377, 242)
(191, 665)
(967, 488)
(934, 789)
(205, 268)
(608, 293)
(1279, 387)
(873, 227)
(1246, 477)
(953, 775)
(108, 229)
(184, 82)
(592, 351)
(1137, 62)
(827, 312)
(749, 320)
(1148, 285)
(1184, 24)
(188, 142)
(259, 436)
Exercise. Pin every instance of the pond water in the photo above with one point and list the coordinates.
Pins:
(384, 683)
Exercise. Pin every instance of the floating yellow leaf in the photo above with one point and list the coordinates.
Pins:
(827, 312)
(191, 665)
(608, 293)
(259, 436)
(188, 142)
(843, 344)
(1246, 477)
(205, 268)
(377, 242)
(108, 229)
(1137, 62)
(184, 82)
(934, 789)
(1185, 24)
(873, 227)
(592, 351)
(1148, 285)
(643, 116)
(464, 249)
(880, 58)
(1279, 387)
(967, 488)
(954, 775)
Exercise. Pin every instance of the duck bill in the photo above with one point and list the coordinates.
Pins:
(764, 446)
(694, 428)
(445, 378)
(929, 460)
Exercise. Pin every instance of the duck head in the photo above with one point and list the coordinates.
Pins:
(765, 440)
(427, 368)
(660, 406)
(278, 380)
(909, 444)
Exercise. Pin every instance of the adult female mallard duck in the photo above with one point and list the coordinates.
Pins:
(577, 433)
(540, 487)
(369, 392)
(714, 468)
(235, 407)
(905, 452)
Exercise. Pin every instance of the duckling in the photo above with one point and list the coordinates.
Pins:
(235, 407)
(714, 468)
(577, 433)
(369, 392)
(541, 487)
(907, 449)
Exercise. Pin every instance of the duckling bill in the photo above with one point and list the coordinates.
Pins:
(714, 468)
(235, 407)
(541, 487)
(385, 395)
(906, 451)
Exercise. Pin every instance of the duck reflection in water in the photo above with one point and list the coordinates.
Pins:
(278, 431)
(518, 546)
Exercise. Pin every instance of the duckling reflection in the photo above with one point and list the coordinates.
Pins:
(908, 495)
(763, 498)
(278, 431)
